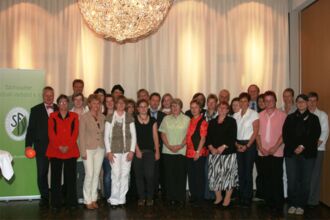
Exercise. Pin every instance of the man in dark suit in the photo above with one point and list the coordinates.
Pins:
(154, 102)
(37, 136)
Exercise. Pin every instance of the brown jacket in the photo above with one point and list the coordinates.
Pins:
(91, 132)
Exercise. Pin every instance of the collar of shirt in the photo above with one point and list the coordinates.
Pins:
(60, 116)
(195, 120)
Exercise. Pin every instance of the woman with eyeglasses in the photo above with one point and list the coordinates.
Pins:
(63, 128)
(91, 146)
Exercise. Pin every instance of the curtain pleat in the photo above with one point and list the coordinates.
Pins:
(203, 45)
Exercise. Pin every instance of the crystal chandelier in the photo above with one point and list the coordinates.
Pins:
(124, 20)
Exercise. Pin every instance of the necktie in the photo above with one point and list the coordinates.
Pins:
(49, 106)
(254, 106)
(154, 115)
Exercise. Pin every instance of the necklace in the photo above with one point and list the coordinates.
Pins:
(144, 120)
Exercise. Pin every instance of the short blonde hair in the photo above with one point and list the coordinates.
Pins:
(177, 101)
(93, 97)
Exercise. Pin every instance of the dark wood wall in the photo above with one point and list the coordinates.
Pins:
(315, 67)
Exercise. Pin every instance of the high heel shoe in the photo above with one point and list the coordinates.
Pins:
(226, 206)
(218, 203)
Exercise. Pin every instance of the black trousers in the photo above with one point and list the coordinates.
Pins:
(42, 176)
(144, 170)
(299, 172)
(272, 169)
(196, 180)
(260, 192)
(69, 167)
(245, 162)
(175, 177)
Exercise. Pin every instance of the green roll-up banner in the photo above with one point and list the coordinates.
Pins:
(19, 91)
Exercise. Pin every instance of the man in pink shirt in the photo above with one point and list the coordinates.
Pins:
(270, 149)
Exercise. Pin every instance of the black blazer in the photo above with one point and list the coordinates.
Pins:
(225, 133)
(37, 132)
(301, 129)
(160, 116)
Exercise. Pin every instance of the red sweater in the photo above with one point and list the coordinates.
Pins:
(190, 153)
(63, 132)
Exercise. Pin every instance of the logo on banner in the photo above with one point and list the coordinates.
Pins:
(16, 123)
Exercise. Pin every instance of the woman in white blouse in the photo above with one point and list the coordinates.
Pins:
(247, 130)
(120, 142)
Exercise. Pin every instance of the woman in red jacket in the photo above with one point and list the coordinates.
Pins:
(63, 127)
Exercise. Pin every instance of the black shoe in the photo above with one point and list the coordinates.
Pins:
(55, 210)
(72, 208)
(114, 206)
(44, 203)
(172, 203)
(181, 204)
(197, 204)
(312, 206)
(246, 204)
(227, 206)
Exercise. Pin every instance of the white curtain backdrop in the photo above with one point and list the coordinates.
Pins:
(203, 45)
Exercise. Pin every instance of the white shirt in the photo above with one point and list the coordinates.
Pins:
(323, 118)
(245, 123)
(49, 110)
(108, 131)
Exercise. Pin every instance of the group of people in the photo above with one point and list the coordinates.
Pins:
(214, 148)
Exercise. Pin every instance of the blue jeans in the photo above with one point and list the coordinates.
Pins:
(106, 178)
(299, 171)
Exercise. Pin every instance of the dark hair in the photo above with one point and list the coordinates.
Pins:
(130, 102)
(155, 94)
(244, 95)
(270, 93)
(62, 96)
(313, 95)
(117, 87)
(199, 94)
(141, 101)
(76, 95)
(47, 88)
(100, 90)
(254, 86)
(224, 103)
(197, 103)
(231, 111)
(260, 97)
(108, 95)
(289, 90)
(212, 96)
(302, 96)
(77, 81)
(105, 112)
